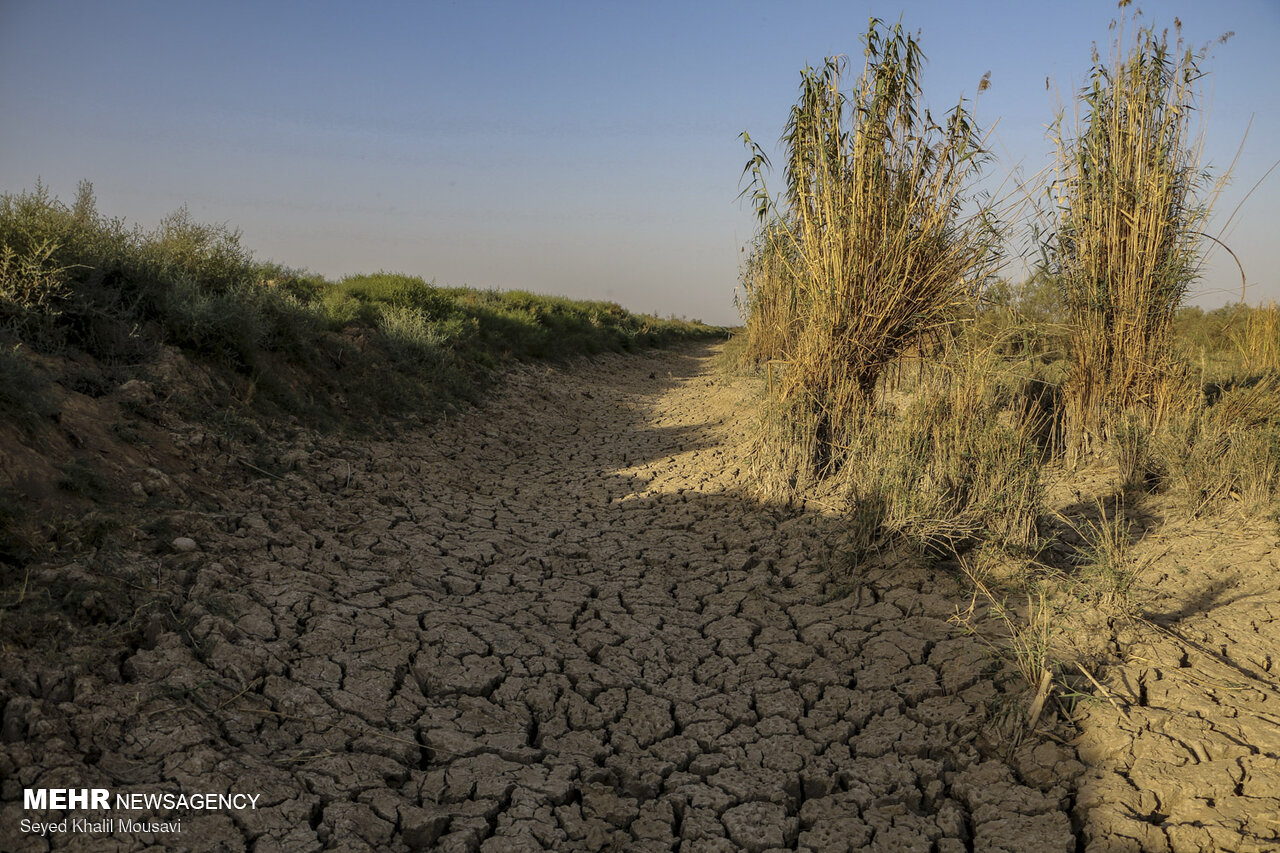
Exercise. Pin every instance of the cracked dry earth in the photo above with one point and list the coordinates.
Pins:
(1188, 756)
(556, 622)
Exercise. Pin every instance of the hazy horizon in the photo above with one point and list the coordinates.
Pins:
(586, 150)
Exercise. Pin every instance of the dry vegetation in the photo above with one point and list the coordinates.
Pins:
(866, 250)
(1125, 229)
(1027, 434)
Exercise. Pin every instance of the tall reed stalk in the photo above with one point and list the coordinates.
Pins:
(870, 246)
(1128, 206)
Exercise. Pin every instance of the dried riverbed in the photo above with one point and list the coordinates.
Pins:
(557, 622)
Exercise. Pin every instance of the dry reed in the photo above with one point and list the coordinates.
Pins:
(1124, 244)
(1259, 341)
(865, 251)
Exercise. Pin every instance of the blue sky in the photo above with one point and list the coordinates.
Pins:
(586, 149)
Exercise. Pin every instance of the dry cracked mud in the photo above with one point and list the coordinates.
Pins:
(555, 622)
(1186, 755)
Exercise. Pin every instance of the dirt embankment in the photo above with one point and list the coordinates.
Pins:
(559, 622)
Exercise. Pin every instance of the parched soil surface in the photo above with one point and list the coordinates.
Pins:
(1184, 755)
(558, 622)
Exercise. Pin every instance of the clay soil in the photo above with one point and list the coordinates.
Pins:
(561, 621)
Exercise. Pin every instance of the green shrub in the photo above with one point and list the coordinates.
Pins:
(227, 325)
(210, 256)
(73, 279)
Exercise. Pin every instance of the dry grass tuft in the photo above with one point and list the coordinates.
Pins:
(956, 463)
(1225, 452)
(1259, 341)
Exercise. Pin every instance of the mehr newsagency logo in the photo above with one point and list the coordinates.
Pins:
(127, 811)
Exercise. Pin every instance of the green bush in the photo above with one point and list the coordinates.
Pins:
(71, 279)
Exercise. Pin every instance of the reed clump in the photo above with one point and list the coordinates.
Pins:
(866, 250)
(1128, 207)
